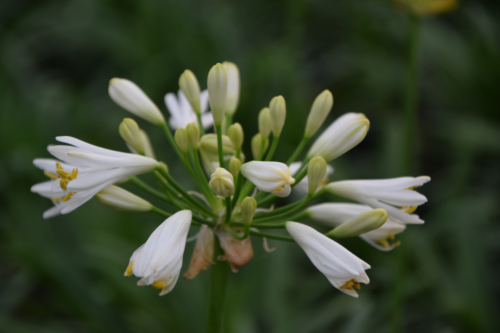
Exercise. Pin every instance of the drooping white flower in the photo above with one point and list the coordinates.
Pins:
(130, 97)
(386, 194)
(302, 188)
(271, 177)
(342, 268)
(158, 262)
(341, 136)
(84, 170)
(181, 112)
(334, 214)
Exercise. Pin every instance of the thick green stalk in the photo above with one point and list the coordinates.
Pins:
(297, 151)
(217, 293)
(218, 128)
(273, 148)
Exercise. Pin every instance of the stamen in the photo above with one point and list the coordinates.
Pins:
(348, 285)
(413, 187)
(158, 285)
(51, 175)
(63, 183)
(391, 236)
(74, 173)
(128, 271)
(384, 242)
(54, 200)
(68, 196)
(409, 209)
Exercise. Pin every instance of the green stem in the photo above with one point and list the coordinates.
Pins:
(228, 209)
(207, 192)
(272, 236)
(273, 148)
(171, 140)
(301, 176)
(262, 149)
(200, 124)
(302, 204)
(217, 293)
(218, 129)
(229, 121)
(298, 150)
(237, 189)
(148, 189)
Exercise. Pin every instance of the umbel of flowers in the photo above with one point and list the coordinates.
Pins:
(234, 197)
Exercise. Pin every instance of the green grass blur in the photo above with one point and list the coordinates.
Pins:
(66, 274)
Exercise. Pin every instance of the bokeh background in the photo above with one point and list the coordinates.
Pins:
(66, 274)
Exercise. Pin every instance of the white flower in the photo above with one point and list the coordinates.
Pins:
(233, 86)
(217, 92)
(158, 262)
(334, 214)
(181, 112)
(341, 136)
(302, 188)
(271, 177)
(385, 193)
(130, 97)
(342, 268)
(85, 170)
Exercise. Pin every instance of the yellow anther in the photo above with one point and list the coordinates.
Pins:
(158, 285)
(278, 189)
(357, 285)
(58, 165)
(348, 285)
(74, 173)
(128, 271)
(54, 200)
(384, 242)
(409, 209)
(396, 244)
(68, 196)
(391, 236)
(51, 175)
(63, 183)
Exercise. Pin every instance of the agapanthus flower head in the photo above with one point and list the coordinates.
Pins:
(182, 113)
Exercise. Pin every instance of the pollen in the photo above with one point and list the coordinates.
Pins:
(409, 209)
(349, 284)
(51, 175)
(158, 285)
(128, 271)
(68, 196)
(385, 243)
(65, 177)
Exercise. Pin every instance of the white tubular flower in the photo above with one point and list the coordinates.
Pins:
(334, 214)
(181, 112)
(118, 198)
(158, 262)
(302, 188)
(222, 182)
(85, 170)
(271, 177)
(129, 96)
(233, 86)
(342, 268)
(385, 193)
(217, 92)
(341, 136)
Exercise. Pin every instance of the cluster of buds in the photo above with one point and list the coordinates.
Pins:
(234, 197)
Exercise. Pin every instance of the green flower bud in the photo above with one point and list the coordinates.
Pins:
(191, 89)
(235, 133)
(277, 109)
(257, 145)
(248, 207)
(360, 224)
(319, 111)
(265, 122)
(181, 139)
(131, 134)
(193, 134)
(208, 144)
(217, 92)
(222, 182)
(316, 171)
(148, 148)
(164, 166)
(234, 166)
(233, 86)
(118, 198)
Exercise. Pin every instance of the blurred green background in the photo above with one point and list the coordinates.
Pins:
(66, 274)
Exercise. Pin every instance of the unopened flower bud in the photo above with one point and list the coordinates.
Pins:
(257, 145)
(248, 207)
(316, 171)
(217, 92)
(277, 109)
(181, 139)
(360, 224)
(222, 182)
(233, 86)
(234, 166)
(131, 134)
(118, 198)
(235, 133)
(193, 134)
(319, 111)
(191, 89)
(265, 122)
(148, 148)
(208, 143)
(130, 97)
(164, 166)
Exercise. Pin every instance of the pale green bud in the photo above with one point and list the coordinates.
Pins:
(222, 182)
(118, 198)
(181, 139)
(235, 133)
(248, 207)
(191, 89)
(131, 134)
(233, 86)
(217, 92)
(265, 122)
(319, 111)
(257, 145)
(316, 171)
(360, 224)
(234, 166)
(208, 145)
(164, 166)
(148, 148)
(193, 134)
(277, 108)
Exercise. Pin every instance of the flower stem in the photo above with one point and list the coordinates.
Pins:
(229, 121)
(146, 188)
(272, 236)
(217, 293)
(273, 148)
(237, 189)
(296, 208)
(171, 140)
(298, 150)
(218, 129)
(200, 124)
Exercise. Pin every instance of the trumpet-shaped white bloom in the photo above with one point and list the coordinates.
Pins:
(130, 97)
(181, 112)
(385, 193)
(334, 214)
(271, 177)
(342, 268)
(85, 170)
(158, 262)
(341, 136)
(302, 188)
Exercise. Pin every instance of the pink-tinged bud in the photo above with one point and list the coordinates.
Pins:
(202, 254)
(237, 252)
